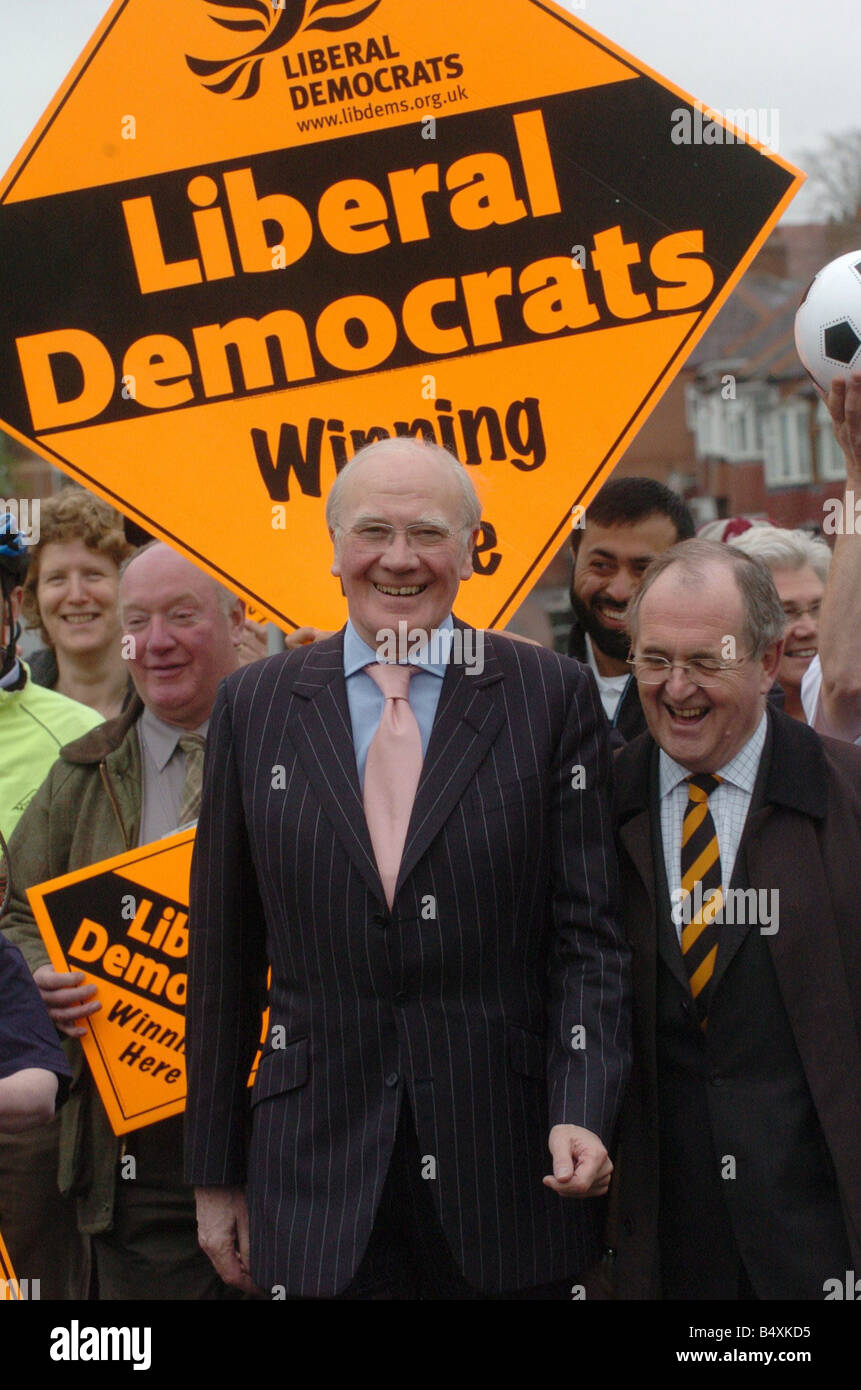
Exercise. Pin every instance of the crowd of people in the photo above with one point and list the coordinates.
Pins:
(560, 955)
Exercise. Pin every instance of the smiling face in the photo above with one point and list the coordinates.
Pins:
(701, 727)
(389, 584)
(77, 597)
(798, 588)
(608, 569)
(184, 642)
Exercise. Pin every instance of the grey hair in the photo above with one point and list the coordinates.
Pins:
(402, 445)
(764, 618)
(781, 549)
(226, 598)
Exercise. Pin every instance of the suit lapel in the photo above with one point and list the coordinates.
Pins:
(636, 773)
(319, 725)
(469, 716)
(792, 777)
(640, 833)
(635, 835)
(669, 941)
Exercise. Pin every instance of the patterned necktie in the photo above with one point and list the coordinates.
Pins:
(192, 746)
(701, 880)
(392, 771)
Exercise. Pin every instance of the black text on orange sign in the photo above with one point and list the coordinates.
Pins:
(91, 947)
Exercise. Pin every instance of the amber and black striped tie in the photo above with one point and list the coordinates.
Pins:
(701, 864)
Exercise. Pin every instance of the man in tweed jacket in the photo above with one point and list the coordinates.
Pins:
(423, 1052)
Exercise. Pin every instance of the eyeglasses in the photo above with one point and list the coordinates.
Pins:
(702, 670)
(377, 535)
(793, 611)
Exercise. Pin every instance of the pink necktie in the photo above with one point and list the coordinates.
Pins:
(392, 771)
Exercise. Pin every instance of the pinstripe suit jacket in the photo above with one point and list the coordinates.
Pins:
(501, 942)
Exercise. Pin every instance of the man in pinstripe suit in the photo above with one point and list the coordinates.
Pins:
(430, 1038)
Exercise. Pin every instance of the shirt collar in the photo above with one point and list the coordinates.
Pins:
(593, 666)
(740, 771)
(161, 738)
(358, 655)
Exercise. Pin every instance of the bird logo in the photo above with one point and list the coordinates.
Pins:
(278, 24)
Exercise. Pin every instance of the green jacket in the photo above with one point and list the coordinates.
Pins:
(87, 809)
(34, 725)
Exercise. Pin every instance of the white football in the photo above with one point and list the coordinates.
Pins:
(828, 321)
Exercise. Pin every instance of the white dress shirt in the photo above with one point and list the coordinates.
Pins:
(610, 688)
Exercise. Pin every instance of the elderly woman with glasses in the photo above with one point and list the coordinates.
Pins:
(799, 567)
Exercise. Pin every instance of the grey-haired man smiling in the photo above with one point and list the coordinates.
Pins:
(448, 995)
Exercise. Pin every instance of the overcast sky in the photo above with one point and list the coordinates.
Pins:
(771, 54)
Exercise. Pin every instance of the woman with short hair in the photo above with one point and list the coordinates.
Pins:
(70, 595)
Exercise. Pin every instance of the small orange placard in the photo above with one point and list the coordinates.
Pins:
(124, 924)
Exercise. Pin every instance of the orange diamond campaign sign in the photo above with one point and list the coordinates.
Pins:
(251, 235)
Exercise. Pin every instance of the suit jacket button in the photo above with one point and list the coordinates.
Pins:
(380, 920)
(392, 1079)
(401, 997)
(716, 1079)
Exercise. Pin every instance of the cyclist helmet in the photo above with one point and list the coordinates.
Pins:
(13, 568)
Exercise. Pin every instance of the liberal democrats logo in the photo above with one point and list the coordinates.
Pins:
(278, 22)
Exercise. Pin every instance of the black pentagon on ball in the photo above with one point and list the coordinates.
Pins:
(841, 342)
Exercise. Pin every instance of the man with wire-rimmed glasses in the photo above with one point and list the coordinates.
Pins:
(739, 834)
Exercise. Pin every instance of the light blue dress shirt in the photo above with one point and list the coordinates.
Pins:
(366, 700)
